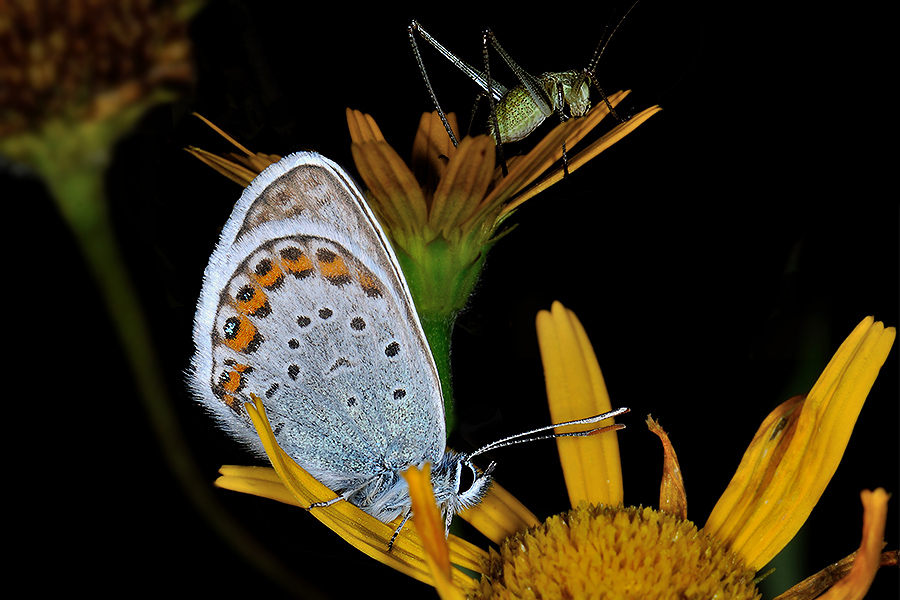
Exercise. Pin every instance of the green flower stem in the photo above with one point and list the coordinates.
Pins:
(80, 198)
(438, 330)
(441, 277)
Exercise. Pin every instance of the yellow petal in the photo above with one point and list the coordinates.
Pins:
(575, 389)
(796, 451)
(361, 530)
(257, 481)
(500, 515)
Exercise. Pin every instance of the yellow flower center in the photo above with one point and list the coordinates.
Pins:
(604, 552)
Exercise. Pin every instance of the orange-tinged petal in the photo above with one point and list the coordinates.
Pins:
(672, 497)
(430, 527)
(394, 193)
(239, 174)
(814, 585)
(361, 530)
(548, 151)
(363, 127)
(576, 161)
(463, 185)
(849, 577)
(575, 389)
(796, 451)
(432, 149)
(242, 167)
(868, 558)
(427, 517)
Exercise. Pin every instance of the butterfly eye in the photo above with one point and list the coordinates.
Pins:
(472, 485)
(467, 477)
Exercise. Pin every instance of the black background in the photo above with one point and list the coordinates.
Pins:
(717, 257)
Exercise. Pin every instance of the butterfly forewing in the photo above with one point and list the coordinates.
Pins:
(304, 305)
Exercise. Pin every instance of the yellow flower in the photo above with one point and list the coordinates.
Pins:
(455, 192)
(445, 210)
(603, 548)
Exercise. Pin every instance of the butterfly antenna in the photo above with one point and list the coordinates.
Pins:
(529, 436)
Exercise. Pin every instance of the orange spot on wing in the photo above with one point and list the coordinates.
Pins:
(243, 337)
(295, 262)
(271, 278)
(334, 269)
(369, 284)
(230, 383)
(248, 304)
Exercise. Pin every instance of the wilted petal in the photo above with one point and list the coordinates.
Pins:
(868, 558)
(672, 497)
(851, 578)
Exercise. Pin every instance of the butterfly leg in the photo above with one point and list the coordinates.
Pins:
(397, 531)
(325, 503)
